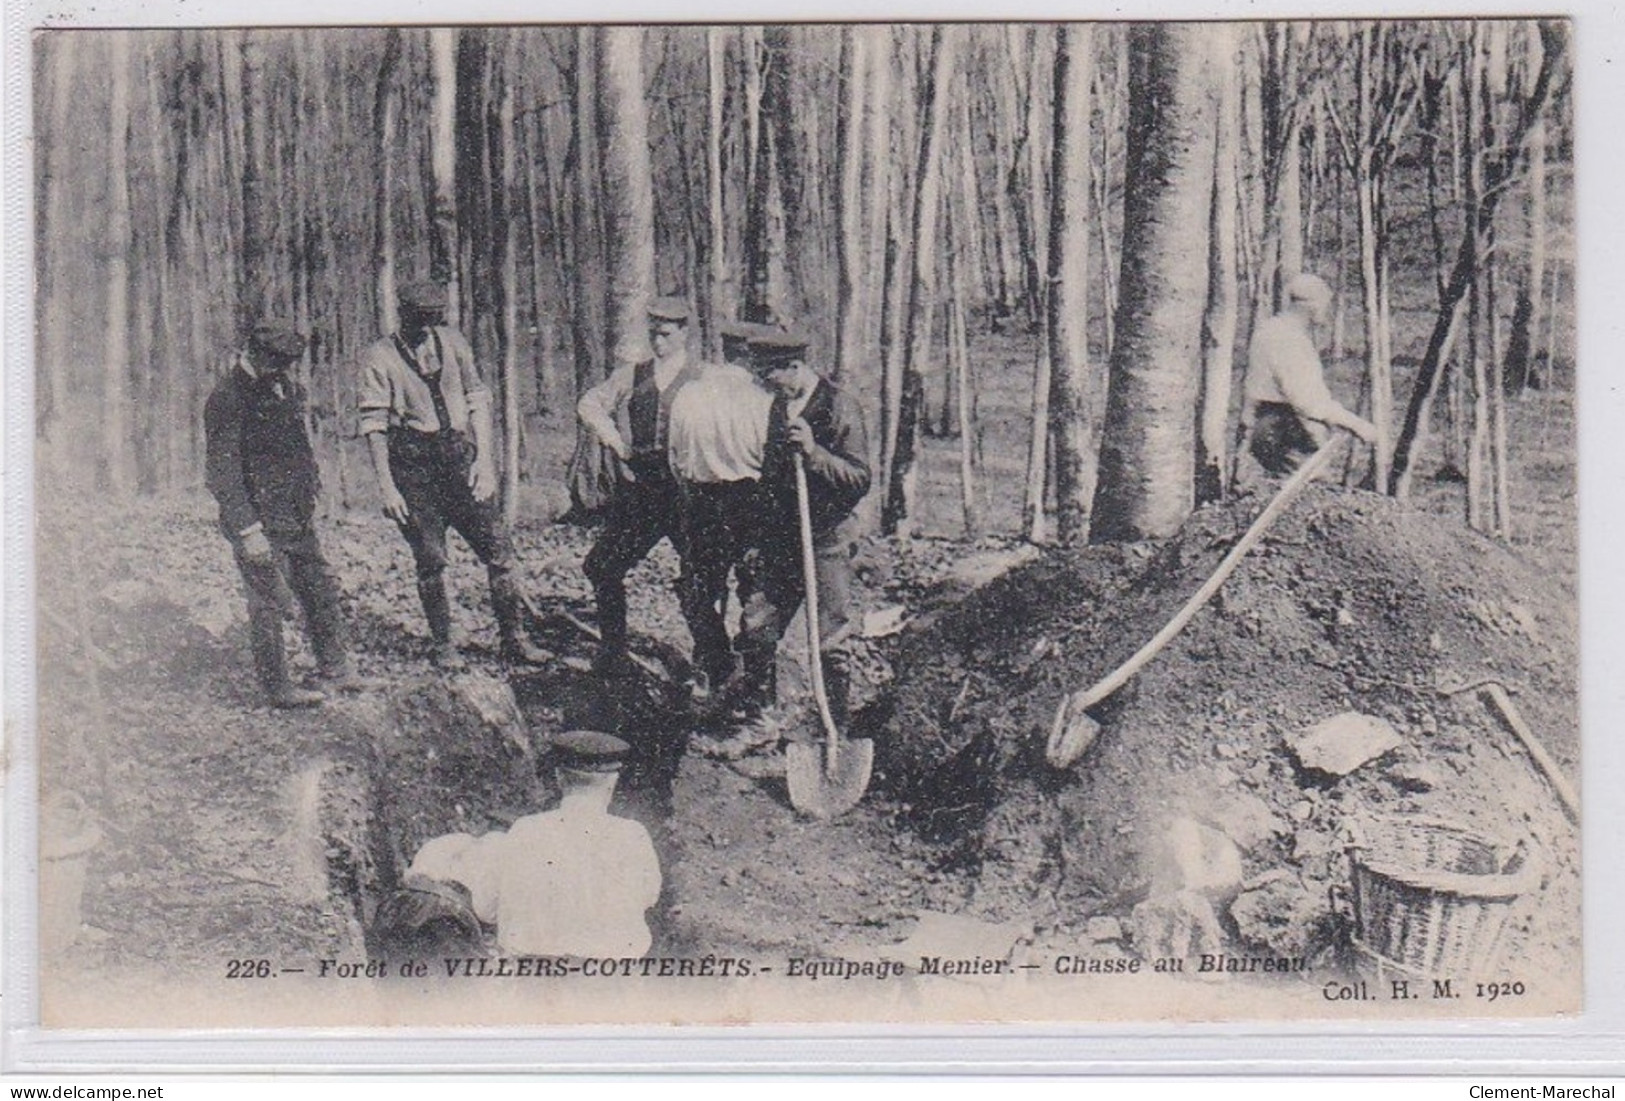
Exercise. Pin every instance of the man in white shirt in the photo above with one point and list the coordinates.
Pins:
(576, 880)
(1287, 410)
(718, 437)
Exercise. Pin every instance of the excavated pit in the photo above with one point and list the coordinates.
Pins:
(1353, 602)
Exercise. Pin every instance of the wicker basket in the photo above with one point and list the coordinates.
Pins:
(1430, 897)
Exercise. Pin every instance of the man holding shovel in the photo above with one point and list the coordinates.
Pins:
(822, 425)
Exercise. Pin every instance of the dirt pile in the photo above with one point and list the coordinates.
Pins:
(1352, 603)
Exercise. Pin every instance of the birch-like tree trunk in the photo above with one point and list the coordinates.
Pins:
(899, 508)
(1219, 322)
(385, 113)
(444, 246)
(1074, 396)
(628, 190)
(117, 472)
(849, 327)
(1147, 456)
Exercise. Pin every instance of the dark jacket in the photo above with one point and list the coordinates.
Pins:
(258, 462)
(838, 468)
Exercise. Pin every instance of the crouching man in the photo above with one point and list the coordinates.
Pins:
(1287, 411)
(573, 881)
(262, 472)
(814, 419)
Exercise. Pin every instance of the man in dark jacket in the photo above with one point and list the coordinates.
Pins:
(813, 418)
(261, 470)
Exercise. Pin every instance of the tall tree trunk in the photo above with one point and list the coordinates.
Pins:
(1519, 371)
(898, 511)
(54, 369)
(507, 226)
(1147, 459)
(444, 246)
(849, 326)
(256, 293)
(385, 113)
(628, 189)
(117, 472)
(592, 361)
(716, 44)
(1074, 403)
(762, 249)
(1219, 321)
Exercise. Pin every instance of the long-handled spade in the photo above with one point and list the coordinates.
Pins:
(828, 781)
(1073, 729)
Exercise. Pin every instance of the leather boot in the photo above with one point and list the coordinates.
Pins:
(437, 610)
(509, 607)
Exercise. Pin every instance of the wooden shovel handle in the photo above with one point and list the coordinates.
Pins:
(809, 576)
(1293, 486)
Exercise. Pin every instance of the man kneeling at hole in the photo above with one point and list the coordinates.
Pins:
(573, 881)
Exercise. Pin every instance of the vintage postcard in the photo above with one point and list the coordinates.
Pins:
(445, 436)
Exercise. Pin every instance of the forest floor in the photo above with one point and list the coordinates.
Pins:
(232, 832)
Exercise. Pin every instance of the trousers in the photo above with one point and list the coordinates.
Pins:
(772, 590)
(639, 516)
(296, 565)
(718, 519)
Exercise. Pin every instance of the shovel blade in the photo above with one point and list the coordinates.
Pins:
(817, 793)
(1071, 733)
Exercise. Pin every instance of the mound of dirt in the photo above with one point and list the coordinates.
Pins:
(1353, 602)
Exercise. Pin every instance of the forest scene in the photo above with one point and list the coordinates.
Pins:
(1037, 255)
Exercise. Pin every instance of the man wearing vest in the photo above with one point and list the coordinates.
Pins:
(426, 414)
(811, 417)
(630, 413)
(262, 472)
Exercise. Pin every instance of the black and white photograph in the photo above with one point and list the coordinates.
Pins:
(724, 524)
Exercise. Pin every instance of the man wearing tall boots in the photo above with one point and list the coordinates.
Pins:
(630, 413)
(812, 418)
(426, 414)
(262, 472)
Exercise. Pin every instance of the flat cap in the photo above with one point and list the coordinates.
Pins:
(669, 307)
(277, 338)
(590, 750)
(424, 296)
(737, 335)
(777, 349)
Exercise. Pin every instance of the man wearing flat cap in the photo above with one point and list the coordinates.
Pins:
(815, 419)
(426, 414)
(260, 467)
(572, 881)
(1287, 409)
(630, 413)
